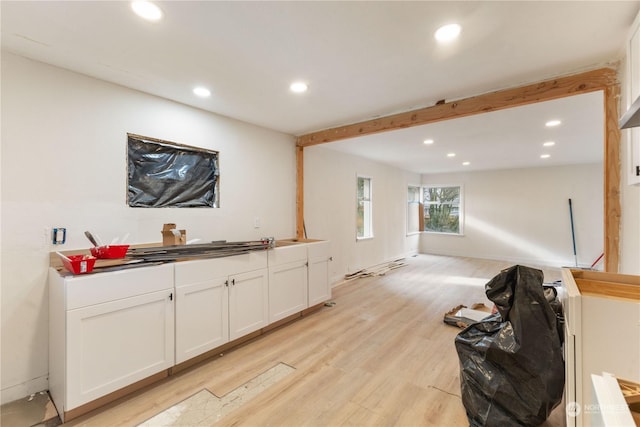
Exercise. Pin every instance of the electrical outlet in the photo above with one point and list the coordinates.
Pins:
(59, 236)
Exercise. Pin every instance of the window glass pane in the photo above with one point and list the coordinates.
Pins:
(363, 214)
(442, 209)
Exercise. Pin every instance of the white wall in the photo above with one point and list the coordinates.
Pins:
(64, 165)
(330, 209)
(522, 215)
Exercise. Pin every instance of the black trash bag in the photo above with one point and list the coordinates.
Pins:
(511, 363)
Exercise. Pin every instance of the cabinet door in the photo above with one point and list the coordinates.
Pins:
(202, 318)
(633, 68)
(319, 283)
(287, 290)
(248, 302)
(633, 167)
(117, 343)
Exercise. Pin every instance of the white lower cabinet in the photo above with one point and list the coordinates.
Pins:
(602, 334)
(288, 283)
(202, 317)
(108, 331)
(219, 300)
(117, 343)
(319, 283)
(248, 302)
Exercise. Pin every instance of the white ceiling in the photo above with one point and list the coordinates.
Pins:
(361, 60)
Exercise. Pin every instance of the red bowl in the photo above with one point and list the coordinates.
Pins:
(109, 251)
(79, 264)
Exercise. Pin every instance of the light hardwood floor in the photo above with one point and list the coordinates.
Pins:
(382, 356)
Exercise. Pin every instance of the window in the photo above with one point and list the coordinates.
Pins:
(414, 210)
(442, 211)
(363, 220)
(166, 174)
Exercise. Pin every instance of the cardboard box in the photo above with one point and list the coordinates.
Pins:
(171, 236)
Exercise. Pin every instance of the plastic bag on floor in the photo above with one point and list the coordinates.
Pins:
(511, 364)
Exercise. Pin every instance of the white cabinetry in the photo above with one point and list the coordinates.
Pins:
(287, 281)
(202, 311)
(633, 79)
(108, 331)
(248, 302)
(218, 300)
(602, 334)
(111, 330)
(319, 283)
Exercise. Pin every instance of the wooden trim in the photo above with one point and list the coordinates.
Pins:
(612, 208)
(300, 234)
(543, 91)
(608, 289)
(604, 79)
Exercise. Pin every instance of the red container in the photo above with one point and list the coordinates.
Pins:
(109, 251)
(79, 264)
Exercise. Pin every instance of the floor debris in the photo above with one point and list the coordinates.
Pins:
(462, 316)
(379, 270)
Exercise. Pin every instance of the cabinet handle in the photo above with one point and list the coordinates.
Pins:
(330, 258)
(306, 264)
(226, 283)
(233, 282)
(171, 296)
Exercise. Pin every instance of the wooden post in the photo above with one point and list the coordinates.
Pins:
(300, 192)
(612, 208)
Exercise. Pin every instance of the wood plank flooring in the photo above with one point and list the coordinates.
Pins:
(381, 356)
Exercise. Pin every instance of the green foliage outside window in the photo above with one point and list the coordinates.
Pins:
(442, 209)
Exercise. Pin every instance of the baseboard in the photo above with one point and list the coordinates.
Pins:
(531, 262)
(27, 388)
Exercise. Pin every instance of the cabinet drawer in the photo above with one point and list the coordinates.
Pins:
(319, 250)
(92, 289)
(287, 254)
(189, 272)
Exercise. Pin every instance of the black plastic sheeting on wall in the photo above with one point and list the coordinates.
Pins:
(511, 363)
(165, 175)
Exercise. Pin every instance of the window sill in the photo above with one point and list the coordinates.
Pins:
(443, 234)
(359, 239)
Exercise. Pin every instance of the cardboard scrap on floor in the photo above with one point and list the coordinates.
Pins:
(462, 316)
(380, 270)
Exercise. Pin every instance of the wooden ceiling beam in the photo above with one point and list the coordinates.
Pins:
(560, 87)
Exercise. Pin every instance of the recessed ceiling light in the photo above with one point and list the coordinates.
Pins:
(298, 87)
(552, 123)
(202, 92)
(545, 156)
(549, 144)
(428, 141)
(451, 154)
(147, 10)
(448, 33)
(466, 163)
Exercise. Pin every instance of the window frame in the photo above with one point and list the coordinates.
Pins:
(460, 209)
(410, 202)
(369, 201)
